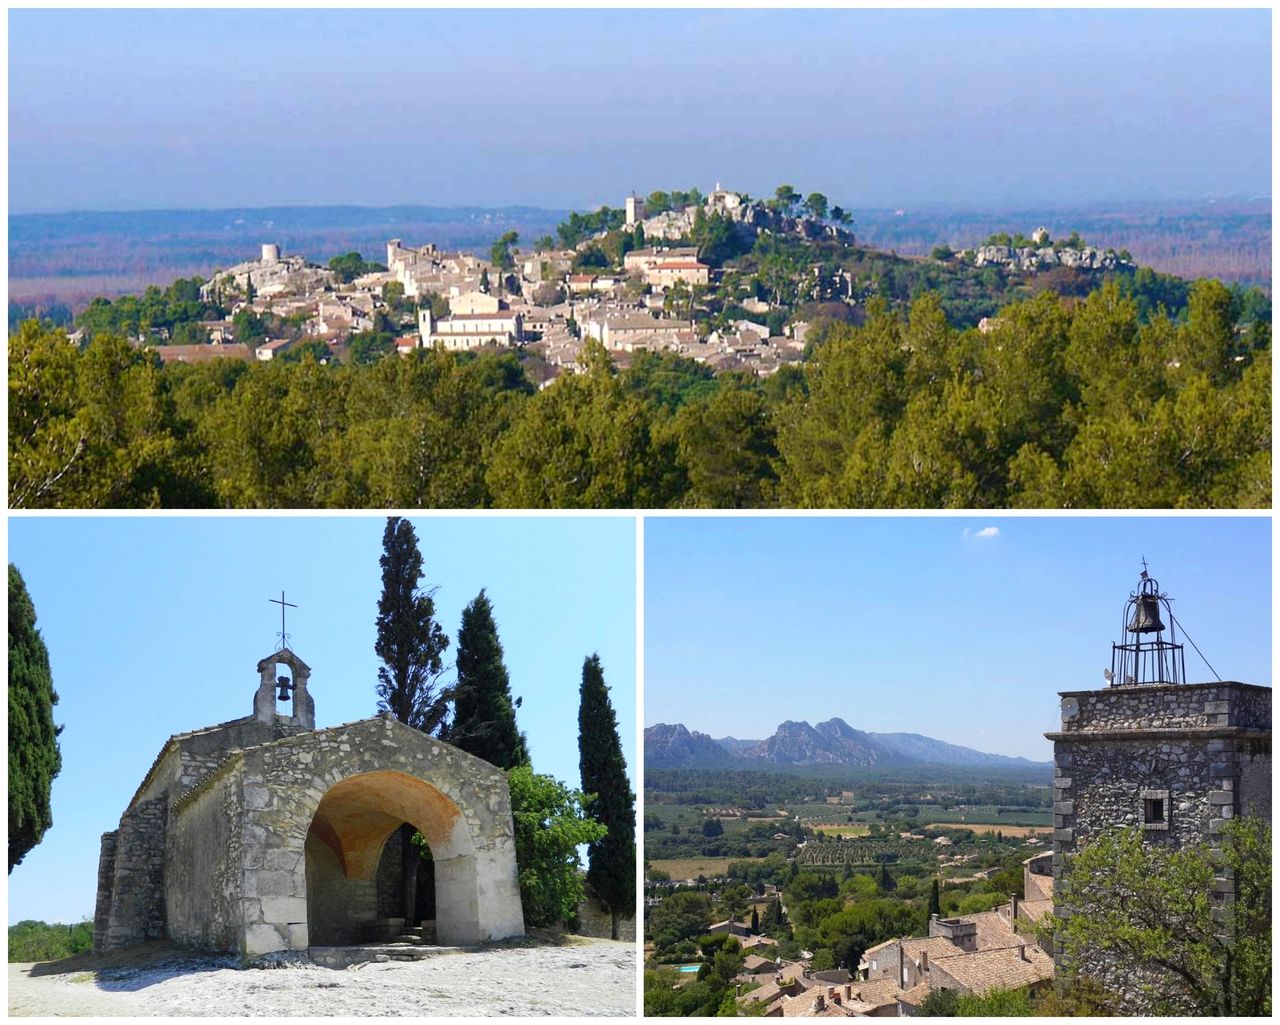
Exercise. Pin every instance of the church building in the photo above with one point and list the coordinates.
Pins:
(266, 834)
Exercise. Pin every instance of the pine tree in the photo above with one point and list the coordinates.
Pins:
(484, 718)
(34, 759)
(935, 901)
(611, 873)
(411, 645)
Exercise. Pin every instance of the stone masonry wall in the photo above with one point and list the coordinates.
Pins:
(203, 871)
(137, 911)
(595, 921)
(340, 911)
(1169, 706)
(106, 887)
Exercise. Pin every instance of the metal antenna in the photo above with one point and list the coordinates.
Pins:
(284, 637)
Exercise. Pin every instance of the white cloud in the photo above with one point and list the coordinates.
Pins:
(984, 532)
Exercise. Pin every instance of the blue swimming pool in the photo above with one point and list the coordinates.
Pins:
(688, 967)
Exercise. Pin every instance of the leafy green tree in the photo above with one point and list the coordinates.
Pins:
(34, 758)
(726, 443)
(815, 205)
(500, 252)
(712, 827)
(611, 875)
(484, 716)
(350, 266)
(604, 453)
(1146, 911)
(411, 646)
(550, 825)
(680, 916)
(786, 199)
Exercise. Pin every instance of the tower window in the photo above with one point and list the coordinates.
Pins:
(1155, 809)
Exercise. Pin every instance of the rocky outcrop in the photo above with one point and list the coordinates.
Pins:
(1030, 259)
(674, 746)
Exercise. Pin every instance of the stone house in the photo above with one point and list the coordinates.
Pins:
(267, 834)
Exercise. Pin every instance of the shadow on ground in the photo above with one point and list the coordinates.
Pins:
(136, 968)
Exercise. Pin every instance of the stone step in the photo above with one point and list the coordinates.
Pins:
(345, 957)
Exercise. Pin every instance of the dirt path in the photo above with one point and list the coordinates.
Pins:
(584, 977)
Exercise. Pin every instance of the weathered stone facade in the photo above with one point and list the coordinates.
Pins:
(266, 834)
(1176, 760)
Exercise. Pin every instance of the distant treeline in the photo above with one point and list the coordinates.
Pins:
(40, 941)
(1057, 405)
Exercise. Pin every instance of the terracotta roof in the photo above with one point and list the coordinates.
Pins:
(876, 992)
(989, 970)
(1034, 910)
(682, 265)
(915, 995)
(497, 315)
(754, 963)
(993, 931)
(201, 353)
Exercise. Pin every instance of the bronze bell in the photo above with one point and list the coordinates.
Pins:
(1146, 615)
(285, 687)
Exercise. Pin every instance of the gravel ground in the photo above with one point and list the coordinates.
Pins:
(582, 977)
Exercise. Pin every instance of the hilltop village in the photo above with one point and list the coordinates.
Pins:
(728, 281)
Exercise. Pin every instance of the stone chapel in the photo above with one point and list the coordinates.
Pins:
(266, 834)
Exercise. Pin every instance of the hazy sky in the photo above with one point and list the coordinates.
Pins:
(963, 630)
(155, 626)
(113, 109)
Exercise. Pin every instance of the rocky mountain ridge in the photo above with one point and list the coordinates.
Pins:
(833, 742)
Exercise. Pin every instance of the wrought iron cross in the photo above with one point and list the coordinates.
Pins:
(284, 637)
(1144, 572)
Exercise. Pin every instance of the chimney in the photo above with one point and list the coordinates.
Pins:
(831, 992)
(902, 966)
(819, 1003)
(933, 925)
(1013, 911)
(848, 992)
(924, 962)
(1022, 952)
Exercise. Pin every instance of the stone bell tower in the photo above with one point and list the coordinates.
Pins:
(292, 688)
(1150, 749)
(1176, 759)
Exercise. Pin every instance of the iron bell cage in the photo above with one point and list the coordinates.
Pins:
(1147, 660)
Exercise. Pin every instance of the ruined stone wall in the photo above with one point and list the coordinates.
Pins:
(137, 892)
(106, 889)
(203, 871)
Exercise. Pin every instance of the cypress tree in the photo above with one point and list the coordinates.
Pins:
(484, 718)
(611, 872)
(411, 645)
(34, 759)
(935, 901)
(755, 919)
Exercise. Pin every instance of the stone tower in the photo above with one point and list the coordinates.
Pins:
(1176, 759)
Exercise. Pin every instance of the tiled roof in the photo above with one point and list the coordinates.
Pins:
(993, 931)
(989, 970)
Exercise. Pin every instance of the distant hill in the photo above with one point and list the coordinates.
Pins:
(830, 743)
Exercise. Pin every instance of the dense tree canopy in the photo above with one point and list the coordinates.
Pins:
(34, 758)
(1087, 402)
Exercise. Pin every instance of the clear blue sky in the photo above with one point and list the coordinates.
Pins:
(926, 625)
(113, 109)
(155, 625)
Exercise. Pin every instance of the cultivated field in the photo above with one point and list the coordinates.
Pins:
(987, 827)
(839, 829)
(691, 868)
